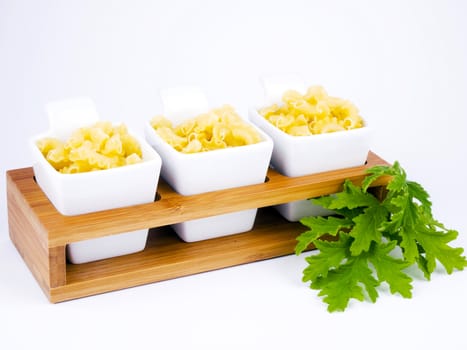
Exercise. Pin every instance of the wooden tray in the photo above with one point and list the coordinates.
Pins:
(41, 234)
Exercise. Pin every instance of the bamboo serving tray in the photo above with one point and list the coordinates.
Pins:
(41, 234)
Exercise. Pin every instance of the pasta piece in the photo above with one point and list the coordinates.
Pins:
(45, 145)
(244, 136)
(58, 157)
(270, 111)
(193, 146)
(299, 130)
(174, 140)
(130, 145)
(315, 94)
(113, 146)
(133, 159)
(281, 121)
(105, 126)
(160, 122)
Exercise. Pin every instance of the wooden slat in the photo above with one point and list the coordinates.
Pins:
(173, 208)
(166, 257)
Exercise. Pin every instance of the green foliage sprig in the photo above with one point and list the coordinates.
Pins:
(376, 240)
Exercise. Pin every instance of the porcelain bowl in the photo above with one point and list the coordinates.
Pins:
(195, 173)
(305, 155)
(81, 193)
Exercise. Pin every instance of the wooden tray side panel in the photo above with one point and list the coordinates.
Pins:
(30, 239)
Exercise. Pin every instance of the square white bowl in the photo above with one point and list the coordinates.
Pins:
(202, 172)
(81, 193)
(305, 155)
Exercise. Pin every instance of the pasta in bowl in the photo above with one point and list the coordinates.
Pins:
(100, 146)
(312, 113)
(217, 129)
(312, 133)
(83, 169)
(212, 151)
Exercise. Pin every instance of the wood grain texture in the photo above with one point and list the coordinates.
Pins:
(30, 239)
(167, 257)
(41, 234)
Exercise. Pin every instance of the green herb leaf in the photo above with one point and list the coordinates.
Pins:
(435, 245)
(367, 228)
(349, 281)
(320, 226)
(352, 197)
(390, 269)
(416, 191)
(330, 256)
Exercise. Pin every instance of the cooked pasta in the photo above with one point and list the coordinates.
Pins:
(315, 112)
(98, 147)
(217, 129)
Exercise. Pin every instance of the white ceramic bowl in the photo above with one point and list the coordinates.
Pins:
(81, 193)
(294, 211)
(75, 194)
(305, 155)
(195, 173)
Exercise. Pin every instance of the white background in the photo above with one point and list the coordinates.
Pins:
(403, 63)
